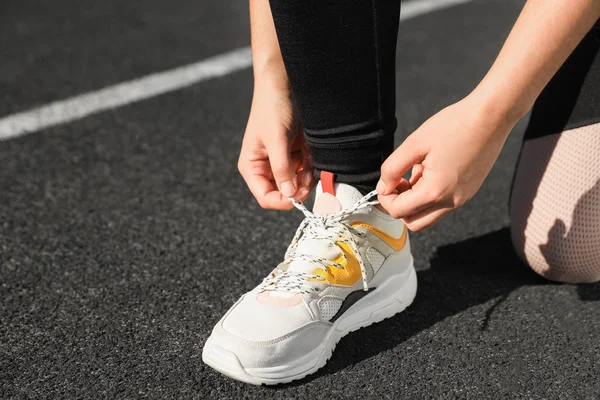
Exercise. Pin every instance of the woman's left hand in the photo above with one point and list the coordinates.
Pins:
(450, 155)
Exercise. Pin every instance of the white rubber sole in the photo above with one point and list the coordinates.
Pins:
(389, 299)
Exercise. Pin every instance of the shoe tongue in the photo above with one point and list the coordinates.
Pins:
(314, 247)
(344, 196)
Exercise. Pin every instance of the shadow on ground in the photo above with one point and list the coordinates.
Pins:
(462, 275)
(589, 292)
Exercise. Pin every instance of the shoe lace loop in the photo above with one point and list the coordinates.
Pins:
(331, 228)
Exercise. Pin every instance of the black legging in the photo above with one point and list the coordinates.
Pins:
(571, 99)
(340, 59)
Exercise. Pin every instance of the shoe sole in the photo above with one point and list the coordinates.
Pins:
(390, 298)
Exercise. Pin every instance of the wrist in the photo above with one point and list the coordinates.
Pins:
(270, 71)
(500, 104)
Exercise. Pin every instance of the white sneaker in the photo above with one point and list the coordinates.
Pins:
(348, 266)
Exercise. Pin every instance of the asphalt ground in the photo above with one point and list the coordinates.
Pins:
(126, 235)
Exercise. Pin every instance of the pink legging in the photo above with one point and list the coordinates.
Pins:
(555, 205)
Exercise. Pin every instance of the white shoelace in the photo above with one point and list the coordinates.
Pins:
(330, 228)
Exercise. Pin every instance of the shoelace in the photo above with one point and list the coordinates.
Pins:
(322, 227)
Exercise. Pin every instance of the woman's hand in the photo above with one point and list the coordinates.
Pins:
(453, 152)
(274, 160)
(450, 155)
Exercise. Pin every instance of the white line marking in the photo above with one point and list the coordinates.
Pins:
(419, 7)
(78, 107)
(74, 108)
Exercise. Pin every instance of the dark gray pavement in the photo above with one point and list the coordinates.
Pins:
(125, 236)
(66, 47)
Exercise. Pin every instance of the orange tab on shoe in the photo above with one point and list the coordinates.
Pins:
(327, 179)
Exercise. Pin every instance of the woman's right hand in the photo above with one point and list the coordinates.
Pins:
(274, 160)
(450, 155)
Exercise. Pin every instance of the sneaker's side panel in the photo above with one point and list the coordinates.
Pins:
(397, 263)
(389, 298)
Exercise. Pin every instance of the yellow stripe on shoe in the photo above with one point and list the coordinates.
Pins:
(348, 275)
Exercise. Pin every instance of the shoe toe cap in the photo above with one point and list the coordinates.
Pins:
(258, 320)
(263, 337)
(277, 352)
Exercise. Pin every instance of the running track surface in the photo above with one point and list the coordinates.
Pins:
(125, 235)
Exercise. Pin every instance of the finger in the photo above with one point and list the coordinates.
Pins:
(408, 202)
(306, 155)
(425, 218)
(298, 163)
(416, 174)
(306, 181)
(301, 156)
(305, 177)
(409, 153)
(403, 186)
(266, 193)
(282, 165)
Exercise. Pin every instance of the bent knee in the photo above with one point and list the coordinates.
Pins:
(558, 257)
(555, 218)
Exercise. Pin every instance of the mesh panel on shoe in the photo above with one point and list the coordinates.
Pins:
(329, 306)
(555, 205)
(375, 258)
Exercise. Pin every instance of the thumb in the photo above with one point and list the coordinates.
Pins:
(280, 158)
(409, 153)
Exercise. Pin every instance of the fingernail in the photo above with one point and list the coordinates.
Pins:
(380, 187)
(288, 189)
